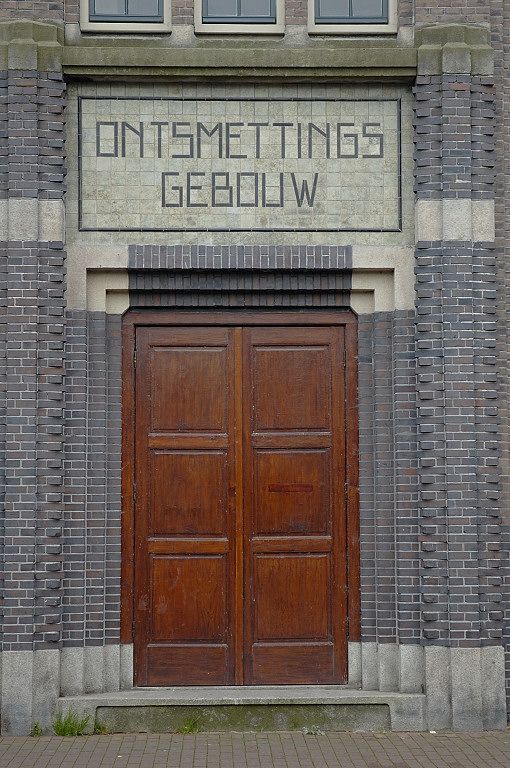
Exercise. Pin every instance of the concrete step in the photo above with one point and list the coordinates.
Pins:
(249, 708)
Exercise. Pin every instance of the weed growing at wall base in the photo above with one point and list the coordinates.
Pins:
(70, 724)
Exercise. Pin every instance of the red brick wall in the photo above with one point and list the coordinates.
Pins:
(40, 10)
(447, 11)
(425, 11)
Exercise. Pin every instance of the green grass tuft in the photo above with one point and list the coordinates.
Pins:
(70, 724)
(190, 726)
(101, 730)
(36, 729)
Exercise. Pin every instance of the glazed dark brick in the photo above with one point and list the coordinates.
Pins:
(388, 449)
(459, 481)
(92, 479)
(31, 436)
(499, 585)
(32, 147)
(32, 337)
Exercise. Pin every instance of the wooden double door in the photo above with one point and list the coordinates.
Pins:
(240, 513)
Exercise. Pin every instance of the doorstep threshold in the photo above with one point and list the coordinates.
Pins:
(248, 695)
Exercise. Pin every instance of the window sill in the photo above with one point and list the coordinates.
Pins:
(116, 27)
(352, 29)
(202, 28)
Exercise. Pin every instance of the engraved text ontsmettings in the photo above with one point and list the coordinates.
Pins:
(239, 165)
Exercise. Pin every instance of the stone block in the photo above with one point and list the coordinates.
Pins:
(17, 692)
(71, 671)
(369, 667)
(388, 657)
(456, 58)
(111, 675)
(411, 669)
(22, 55)
(126, 667)
(429, 60)
(466, 689)
(492, 660)
(354, 659)
(93, 669)
(438, 687)
(46, 687)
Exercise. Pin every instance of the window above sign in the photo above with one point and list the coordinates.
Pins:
(352, 16)
(125, 15)
(239, 16)
(339, 17)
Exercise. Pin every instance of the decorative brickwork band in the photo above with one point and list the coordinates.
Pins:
(240, 257)
(91, 602)
(458, 447)
(388, 478)
(239, 276)
(32, 334)
(454, 137)
(34, 164)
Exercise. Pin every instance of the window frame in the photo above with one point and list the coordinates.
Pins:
(232, 27)
(245, 20)
(118, 24)
(355, 27)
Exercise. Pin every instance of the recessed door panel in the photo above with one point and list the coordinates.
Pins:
(189, 600)
(291, 387)
(291, 597)
(189, 389)
(291, 493)
(189, 493)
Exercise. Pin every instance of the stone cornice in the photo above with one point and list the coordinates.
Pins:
(439, 49)
(244, 60)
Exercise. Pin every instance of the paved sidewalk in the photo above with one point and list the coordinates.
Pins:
(260, 750)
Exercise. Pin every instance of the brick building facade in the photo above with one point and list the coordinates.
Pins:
(427, 284)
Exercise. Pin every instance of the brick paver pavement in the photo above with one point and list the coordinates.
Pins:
(260, 750)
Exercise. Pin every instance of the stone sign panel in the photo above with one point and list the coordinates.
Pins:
(237, 165)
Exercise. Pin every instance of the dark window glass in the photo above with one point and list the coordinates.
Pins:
(126, 10)
(239, 11)
(143, 8)
(221, 8)
(351, 11)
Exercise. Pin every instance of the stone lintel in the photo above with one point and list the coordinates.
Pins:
(114, 58)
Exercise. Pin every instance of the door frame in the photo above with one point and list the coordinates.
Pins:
(134, 319)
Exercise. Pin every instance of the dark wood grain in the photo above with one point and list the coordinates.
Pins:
(184, 583)
(238, 508)
(128, 478)
(240, 434)
(352, 471)
(295, 591)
